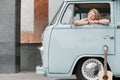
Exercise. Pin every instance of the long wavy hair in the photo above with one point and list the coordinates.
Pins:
(97, 13)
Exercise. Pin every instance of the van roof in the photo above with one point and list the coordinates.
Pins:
(88, 0)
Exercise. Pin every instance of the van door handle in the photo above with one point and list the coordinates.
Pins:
(108, 37)
(118, 26)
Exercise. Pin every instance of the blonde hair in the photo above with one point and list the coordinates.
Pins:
(97, 14)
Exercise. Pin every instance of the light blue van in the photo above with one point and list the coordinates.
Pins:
(68, 49)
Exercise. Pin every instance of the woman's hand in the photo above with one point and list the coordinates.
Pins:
(101, 21)
(94, 22)
(81, 22)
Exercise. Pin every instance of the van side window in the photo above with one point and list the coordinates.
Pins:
(80, 10)
(68, 15)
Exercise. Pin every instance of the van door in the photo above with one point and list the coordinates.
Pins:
(92, 38)
(68, 41)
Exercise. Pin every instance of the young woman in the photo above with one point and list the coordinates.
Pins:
(92, 18)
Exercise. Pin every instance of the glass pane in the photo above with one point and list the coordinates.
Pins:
(68, 16)
(83, 9)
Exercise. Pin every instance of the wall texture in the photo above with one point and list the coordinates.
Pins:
(8, 42)
(30, 57)
(34, 19)
(31, 39)
(40, 18)
(10, 34)
(27, 21)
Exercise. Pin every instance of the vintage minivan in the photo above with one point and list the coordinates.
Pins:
(68, 49)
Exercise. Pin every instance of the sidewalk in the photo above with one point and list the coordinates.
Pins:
(27, 76)
(23, 76)
(31, 76)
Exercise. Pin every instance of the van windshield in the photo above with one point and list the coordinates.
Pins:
(56, 15)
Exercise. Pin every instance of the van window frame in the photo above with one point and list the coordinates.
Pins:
(112, 18)
(54, 19)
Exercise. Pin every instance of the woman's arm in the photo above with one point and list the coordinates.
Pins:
(101, 21)
(104, 21)
(85, 22)
(81, 22)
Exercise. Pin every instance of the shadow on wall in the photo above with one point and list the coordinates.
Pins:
(30, 57)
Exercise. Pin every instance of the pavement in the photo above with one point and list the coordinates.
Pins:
(32, 76)
(29, 76)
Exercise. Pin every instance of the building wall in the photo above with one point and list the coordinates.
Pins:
(40, 18)
(30, 57)
(27, 15)
(9, 23)
(34, 19)
(43, 10)
(27, 21)
(31, 38)
(35, 16)
(36, 11)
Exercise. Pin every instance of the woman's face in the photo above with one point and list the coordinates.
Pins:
(91, 15)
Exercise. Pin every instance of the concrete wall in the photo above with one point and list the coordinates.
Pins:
(30, 57)
(31, 38)
(8, 36)
(27, 21)
(40, 18)
(34, 19)
(27, 15)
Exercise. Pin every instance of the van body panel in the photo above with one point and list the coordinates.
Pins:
(114, 60)
(72, 42)
(65, 44)
(46, 36)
